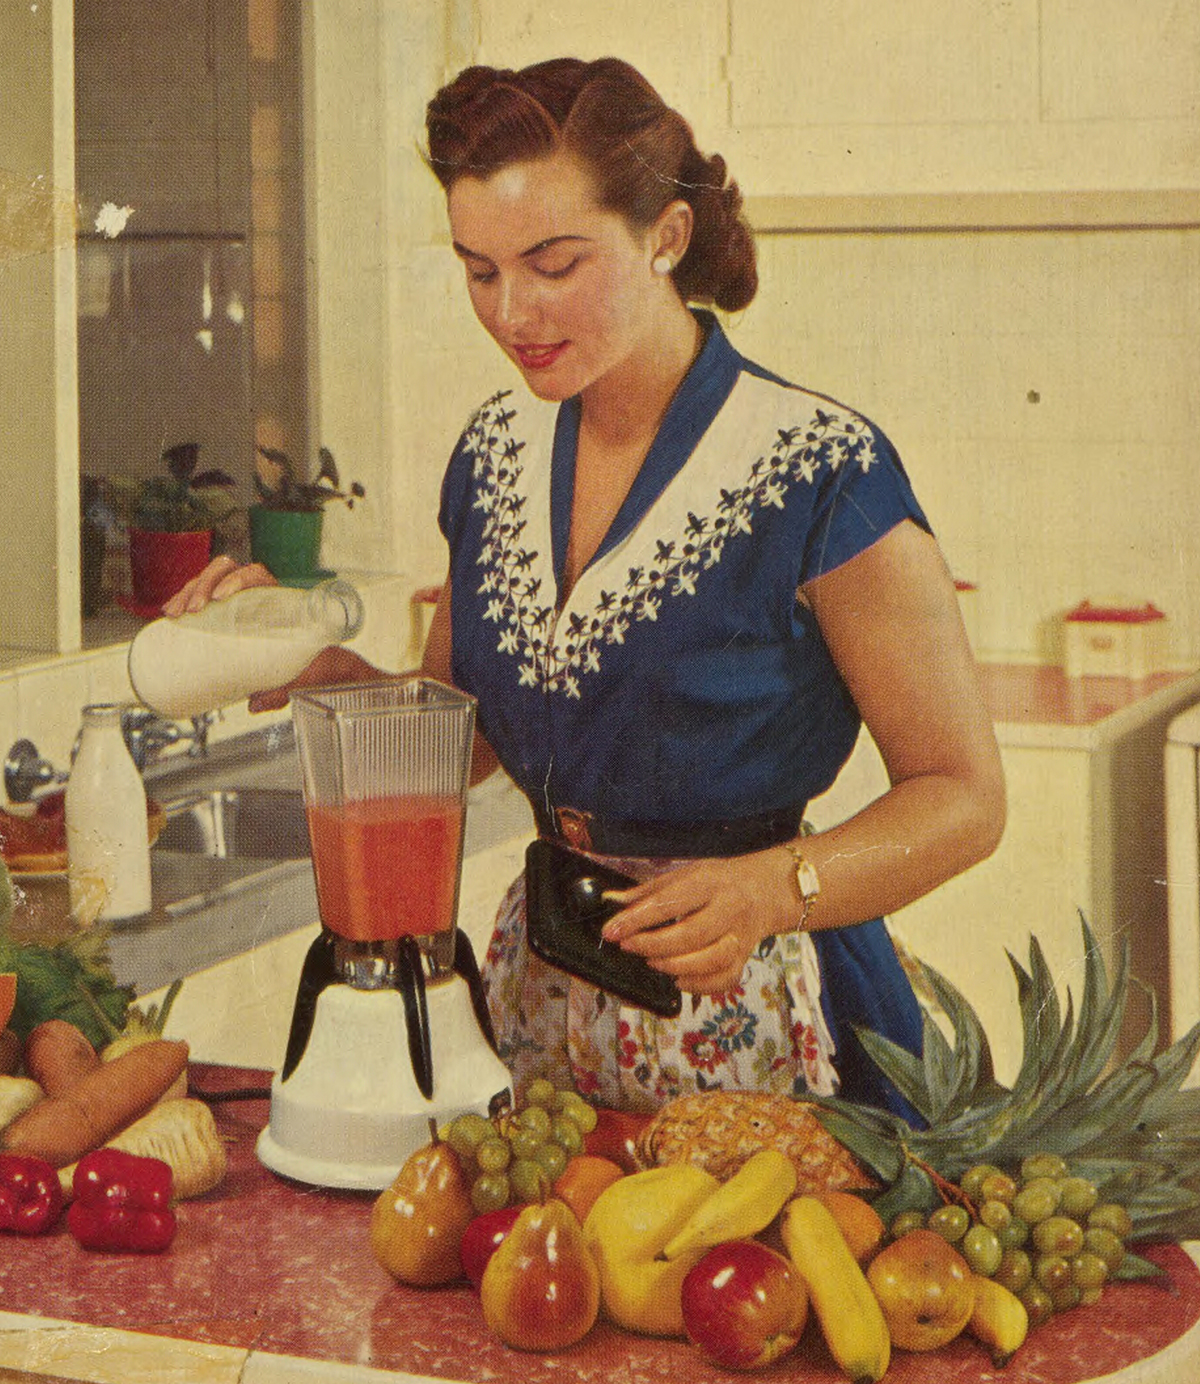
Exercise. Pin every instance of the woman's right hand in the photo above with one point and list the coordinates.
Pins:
(220, 579)
(223, 578)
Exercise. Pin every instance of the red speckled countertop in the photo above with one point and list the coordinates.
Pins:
(1042, 694)
(269, 1266)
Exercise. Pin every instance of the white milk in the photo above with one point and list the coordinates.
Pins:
(107, 840)
(254, 640)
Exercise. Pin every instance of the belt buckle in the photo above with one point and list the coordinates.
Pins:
(572, 823)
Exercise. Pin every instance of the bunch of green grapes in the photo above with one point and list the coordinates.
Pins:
(1044, 1234)
(520, 1155)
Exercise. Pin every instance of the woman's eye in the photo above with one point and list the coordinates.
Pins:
(481, 276)
(556, 271)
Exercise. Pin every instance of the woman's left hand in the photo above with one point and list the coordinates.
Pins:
(702, 921)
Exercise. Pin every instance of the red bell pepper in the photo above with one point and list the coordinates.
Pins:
(122, 1202)
(31, 1199)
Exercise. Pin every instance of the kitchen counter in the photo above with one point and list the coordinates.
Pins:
(1037, 704)
(269, 1282)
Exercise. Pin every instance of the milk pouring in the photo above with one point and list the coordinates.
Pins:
(256, 639)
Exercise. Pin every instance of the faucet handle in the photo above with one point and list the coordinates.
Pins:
(26, 771)
(146, 733)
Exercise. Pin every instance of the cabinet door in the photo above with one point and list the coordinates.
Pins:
(1035, 884)
(850, 97)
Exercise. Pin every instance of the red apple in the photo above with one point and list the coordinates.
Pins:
(744, 1305)
(482, 1238)
(615, 1136)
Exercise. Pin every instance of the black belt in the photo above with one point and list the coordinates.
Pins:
(608, 836)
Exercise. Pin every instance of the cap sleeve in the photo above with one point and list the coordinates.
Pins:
(455, 496)
(860, 497)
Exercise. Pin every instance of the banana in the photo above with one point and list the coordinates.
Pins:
(747, 1203)
(851, 1319)
(999, 1320)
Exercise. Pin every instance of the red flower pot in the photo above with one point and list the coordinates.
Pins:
(160, 563)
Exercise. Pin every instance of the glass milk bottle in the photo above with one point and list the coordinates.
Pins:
(107, 838)
(256, 639)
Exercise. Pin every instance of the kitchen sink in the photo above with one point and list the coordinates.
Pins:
(237, 823)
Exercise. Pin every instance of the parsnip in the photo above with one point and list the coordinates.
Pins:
(17, 1094)
(184, 1135)
(144, 1026)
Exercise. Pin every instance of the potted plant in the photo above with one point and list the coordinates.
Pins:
(285, 525)
(171, 520)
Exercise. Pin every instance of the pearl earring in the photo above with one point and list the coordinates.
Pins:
(661, 264)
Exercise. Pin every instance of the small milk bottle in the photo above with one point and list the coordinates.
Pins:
(107, 839)
(256, 639)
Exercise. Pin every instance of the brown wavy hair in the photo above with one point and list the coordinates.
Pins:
(641, 154)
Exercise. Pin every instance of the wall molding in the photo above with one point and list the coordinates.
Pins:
(1169, 209)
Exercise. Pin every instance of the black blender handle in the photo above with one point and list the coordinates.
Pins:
(319, 970)
(466, 966)
(410, 981)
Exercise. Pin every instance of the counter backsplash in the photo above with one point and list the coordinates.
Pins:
(42, 700)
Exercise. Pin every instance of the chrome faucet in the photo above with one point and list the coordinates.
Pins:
(27, 775)
(147, 734)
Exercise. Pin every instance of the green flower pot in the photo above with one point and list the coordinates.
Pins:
(287, 542)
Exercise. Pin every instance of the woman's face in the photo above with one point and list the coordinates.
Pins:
(564, 286)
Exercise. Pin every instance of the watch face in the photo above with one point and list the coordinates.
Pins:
(808, 880)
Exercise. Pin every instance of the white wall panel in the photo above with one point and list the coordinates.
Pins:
(1108, 59)
(857, 62)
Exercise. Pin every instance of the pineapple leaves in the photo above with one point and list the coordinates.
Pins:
(903, 1069)
(946, 1081)
(870, 1135)
(1135, 1268)
(1127, 1124)
(913, 1190)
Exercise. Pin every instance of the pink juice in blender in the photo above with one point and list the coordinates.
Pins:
(387, 866)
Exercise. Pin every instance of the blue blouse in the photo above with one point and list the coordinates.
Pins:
(680, 679)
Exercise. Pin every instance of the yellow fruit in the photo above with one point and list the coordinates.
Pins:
(926, 1290)
(739, 1208)
(851, 1319)
(541, 1287)
(417, 1223)
(999, 1320)
(625, 1231)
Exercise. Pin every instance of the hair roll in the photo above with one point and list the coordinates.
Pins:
(641, 153)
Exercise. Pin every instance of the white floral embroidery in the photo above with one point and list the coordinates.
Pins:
(552, 655)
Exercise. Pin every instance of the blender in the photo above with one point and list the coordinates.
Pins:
(390, 1027)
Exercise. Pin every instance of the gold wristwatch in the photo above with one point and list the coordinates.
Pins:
(809, 884)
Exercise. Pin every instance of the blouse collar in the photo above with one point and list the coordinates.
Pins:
(699, 398)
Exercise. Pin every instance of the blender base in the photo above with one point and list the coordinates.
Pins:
(351, 1112)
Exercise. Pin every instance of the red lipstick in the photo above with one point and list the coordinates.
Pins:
(538, 357)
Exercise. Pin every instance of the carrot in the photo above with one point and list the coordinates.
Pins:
(8, 996)
(11, 1049)
(61, 1129)
(57, 1055)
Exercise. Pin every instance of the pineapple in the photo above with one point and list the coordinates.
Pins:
(719, 1130)
(1128, 1127)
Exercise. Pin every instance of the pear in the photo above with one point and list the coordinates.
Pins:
(541, 1287)
(417, 1223)
(626, 1230)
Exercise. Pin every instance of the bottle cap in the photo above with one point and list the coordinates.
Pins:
(337, 606)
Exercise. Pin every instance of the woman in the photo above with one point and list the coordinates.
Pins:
(677, 585)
